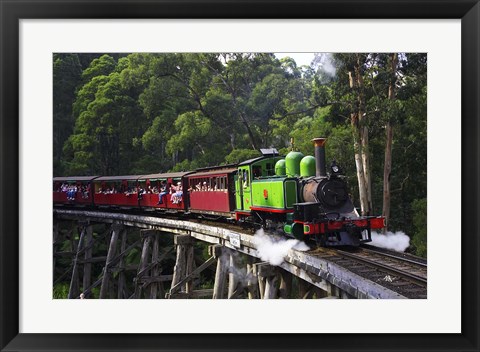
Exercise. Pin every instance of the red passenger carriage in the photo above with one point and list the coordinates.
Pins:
(73, 190)
(212, 191)
(168, 184)
(121, 191)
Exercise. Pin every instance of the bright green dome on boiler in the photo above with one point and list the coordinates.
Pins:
(307, 166)
(292, 161)
(280, 169)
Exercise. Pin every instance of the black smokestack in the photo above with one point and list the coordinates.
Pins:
(320, 156)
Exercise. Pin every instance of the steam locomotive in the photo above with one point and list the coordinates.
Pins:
(292, 194)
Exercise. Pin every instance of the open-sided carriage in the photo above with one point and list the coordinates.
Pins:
(160, 190)
(116, 191)
(73, 190)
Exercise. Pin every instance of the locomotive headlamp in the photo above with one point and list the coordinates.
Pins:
(334, 167)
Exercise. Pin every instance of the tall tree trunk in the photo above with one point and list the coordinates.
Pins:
(364, 136)
(357, 147)
(360, 137)
(366, 171)
(387, 168)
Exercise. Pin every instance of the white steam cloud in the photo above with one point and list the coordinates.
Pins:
(241, 275)
(397, 241)
(323, 62)
(273, 249)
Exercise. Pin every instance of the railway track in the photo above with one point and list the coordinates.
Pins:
(388, 252)
(404, 274)
(411, 270)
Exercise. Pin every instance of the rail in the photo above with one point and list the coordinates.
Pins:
(420, 280)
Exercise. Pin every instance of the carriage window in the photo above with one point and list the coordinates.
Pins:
(197, 184)
(209, 184)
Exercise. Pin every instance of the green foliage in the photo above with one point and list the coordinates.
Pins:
(60, 291)
(419, 208)
(95, 292)
(185, 165)
(102, 66)
(133, 257)
(238, 155)
(66, 77)
(107, 127)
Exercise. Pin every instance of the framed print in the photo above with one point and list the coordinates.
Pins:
(32, 31)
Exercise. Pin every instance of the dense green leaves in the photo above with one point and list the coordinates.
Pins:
(419, 208)
(67, 73)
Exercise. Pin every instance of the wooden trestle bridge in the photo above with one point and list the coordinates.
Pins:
(239, 273)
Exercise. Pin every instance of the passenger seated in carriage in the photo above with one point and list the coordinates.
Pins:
(150, 189)
(163, 192)
(140, 192)
(85, 191)
(177, 196)
(71, 193)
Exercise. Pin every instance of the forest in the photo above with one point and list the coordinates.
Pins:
(142, 113)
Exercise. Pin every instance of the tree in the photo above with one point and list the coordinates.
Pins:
(409, 171)
(353, 101)
(66, 77)
(393, 62)
(102, 66)
(108, 124)
(419, 208)
(245, 97)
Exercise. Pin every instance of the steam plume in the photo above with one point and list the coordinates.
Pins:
(273, 249)
(324, 63)
(397, 241)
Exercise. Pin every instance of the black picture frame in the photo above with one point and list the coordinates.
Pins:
(12, 11)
